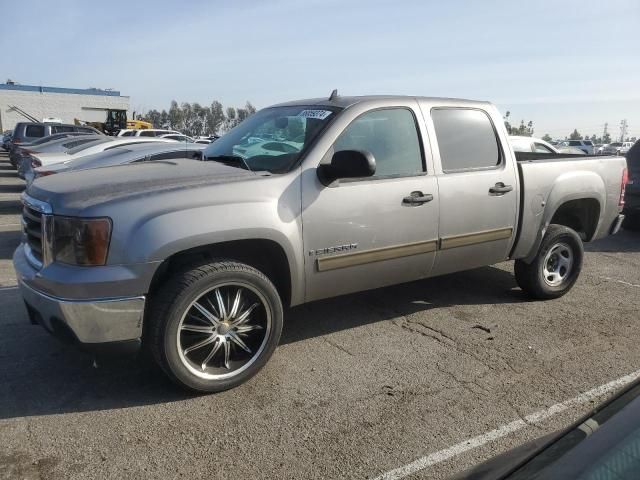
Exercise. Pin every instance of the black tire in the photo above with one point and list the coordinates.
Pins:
(175, 299)
(531, 277)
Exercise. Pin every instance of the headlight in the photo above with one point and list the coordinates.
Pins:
(79, 241)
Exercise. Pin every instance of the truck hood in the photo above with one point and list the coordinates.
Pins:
(74, 191)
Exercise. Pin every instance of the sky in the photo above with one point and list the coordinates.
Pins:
(563, 64)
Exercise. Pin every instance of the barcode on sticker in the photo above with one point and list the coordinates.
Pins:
(318, 114)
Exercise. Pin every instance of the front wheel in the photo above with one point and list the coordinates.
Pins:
(555, 268)
(214, 326)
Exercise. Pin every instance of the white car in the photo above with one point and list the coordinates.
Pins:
(537, 145)
(106, 143)
(531, 144)
(148, 132)
(618, 148)
(585, 145)
(178, 137)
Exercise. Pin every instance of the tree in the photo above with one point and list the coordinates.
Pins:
(547, 137)
(216, 114)
(575, 135)
(506, 122)
(175, 115)
(606, 138)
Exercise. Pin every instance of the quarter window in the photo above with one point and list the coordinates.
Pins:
(34, 131)
(391, 136)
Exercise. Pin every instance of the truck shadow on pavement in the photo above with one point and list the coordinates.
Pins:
(623, 241)
(41, 376)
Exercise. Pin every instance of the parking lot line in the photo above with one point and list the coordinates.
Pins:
(504, 430)
(628, 284)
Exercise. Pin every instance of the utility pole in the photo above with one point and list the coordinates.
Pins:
(623, 129)
(605, 132)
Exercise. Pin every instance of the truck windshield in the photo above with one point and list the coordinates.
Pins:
(271, 140)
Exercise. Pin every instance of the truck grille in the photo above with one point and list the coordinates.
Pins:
(32, 223)
(34, 220)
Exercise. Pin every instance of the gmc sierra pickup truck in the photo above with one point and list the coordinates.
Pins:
(302, 201)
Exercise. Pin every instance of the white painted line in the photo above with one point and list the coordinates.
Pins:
(621, 282)
(504, 430)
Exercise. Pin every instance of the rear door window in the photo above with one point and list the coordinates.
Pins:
(147, 133)
(466, 139)
(34, 131)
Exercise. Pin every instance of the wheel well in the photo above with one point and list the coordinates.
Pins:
(580, 215)
(264, 255)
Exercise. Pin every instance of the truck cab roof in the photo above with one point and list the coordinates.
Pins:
(348, 101)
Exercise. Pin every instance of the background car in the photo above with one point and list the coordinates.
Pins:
(618, 148)
(537, 145)
(7, 135)
(24, 156)
(25, 132)
(141, 152)
(632, 190)
(531, 144)
(19, 151)
(96, 146)
(148, 132)
(585, 145)
(178, 137)
(599, 148)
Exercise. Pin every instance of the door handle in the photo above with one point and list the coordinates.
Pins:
(500, 189)
(417, 198)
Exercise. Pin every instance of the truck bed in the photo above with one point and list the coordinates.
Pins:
(548, 180)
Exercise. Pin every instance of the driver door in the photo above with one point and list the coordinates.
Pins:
(366, 233)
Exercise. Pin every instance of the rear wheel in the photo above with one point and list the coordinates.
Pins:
(214, 326)
(555, 268)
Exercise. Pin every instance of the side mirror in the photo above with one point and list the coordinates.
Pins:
(347, 164)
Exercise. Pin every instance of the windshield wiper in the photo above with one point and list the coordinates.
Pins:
(230, 160)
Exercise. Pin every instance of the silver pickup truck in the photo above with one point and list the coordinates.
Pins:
(302, 201)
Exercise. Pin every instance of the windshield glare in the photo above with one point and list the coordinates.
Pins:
(273, 139)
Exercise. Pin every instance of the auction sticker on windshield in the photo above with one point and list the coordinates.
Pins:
(319, 114)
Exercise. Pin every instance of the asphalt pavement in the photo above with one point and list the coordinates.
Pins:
(359, 386)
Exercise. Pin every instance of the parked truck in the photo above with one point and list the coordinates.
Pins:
(197, 261)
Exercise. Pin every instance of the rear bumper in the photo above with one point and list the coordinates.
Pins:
(617, 223)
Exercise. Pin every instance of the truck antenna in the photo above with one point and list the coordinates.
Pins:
(334, 94)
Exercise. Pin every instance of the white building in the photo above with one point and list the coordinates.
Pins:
(63, 104)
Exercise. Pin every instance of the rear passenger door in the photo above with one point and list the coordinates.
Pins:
(478, 189)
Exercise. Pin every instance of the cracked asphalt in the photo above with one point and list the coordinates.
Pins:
(360, 384)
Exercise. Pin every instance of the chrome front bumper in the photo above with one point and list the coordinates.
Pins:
(86, 320)
(89, 321)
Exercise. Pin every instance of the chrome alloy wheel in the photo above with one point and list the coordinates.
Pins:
(557, 264)
(224, 331)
